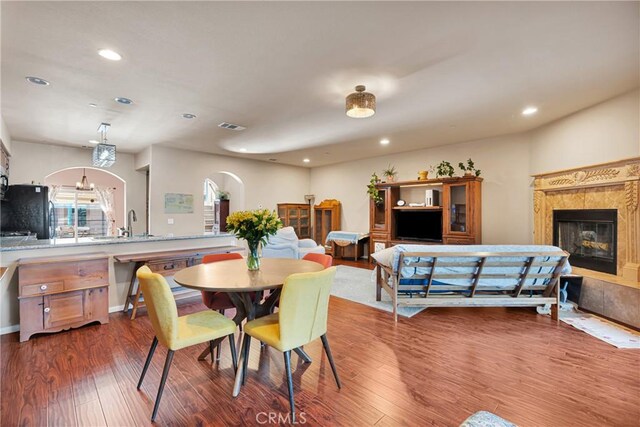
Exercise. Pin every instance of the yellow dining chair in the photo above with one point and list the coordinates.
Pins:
(302, 318)
(178, 332)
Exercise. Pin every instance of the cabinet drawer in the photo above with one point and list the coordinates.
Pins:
(168, 267)
(41, 288)
(458, 241)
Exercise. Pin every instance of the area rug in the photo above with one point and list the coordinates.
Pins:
(358, 285)
(602, 329)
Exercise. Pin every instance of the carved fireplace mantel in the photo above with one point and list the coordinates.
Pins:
(614, 185)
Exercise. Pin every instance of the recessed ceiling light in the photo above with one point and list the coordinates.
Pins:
(109, 54)
(189, 116)
(93, 105)
(244, 150)
(529, 111)
(93, 141)
(306, 160)
(384, 141)
(37, 81)
(125, 101)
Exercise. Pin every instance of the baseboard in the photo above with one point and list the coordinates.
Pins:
(15, 328)
(116, 308)
(9, 329)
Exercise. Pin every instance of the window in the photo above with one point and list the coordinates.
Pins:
(211, 207)
(78, 213)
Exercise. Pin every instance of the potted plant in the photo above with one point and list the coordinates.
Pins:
(469, 169)
(424, 174)
(255, 227)
(444, 169)
(390, 173)
(222, 195)
(372, 191)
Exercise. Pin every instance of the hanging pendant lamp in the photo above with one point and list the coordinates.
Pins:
(361, 104)
(84, 185)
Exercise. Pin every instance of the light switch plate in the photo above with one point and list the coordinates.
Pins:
(170, 221)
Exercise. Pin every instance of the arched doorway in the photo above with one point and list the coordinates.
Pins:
(98, 210)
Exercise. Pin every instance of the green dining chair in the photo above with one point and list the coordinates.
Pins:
(176, 332)
(302, 318)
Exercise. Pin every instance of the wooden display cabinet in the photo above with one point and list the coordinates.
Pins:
(381, 224)
(326, 219)
(298, 216)
(456, 221)
(62, 292)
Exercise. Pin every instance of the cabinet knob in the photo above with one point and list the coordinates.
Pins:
(43, 287)
(47, 309)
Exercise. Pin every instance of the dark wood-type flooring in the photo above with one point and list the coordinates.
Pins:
(436, 368)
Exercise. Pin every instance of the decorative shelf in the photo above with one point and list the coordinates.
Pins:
(418, 208)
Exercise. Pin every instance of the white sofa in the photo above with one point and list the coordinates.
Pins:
(285, 244)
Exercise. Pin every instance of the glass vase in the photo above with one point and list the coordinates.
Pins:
(253, 259)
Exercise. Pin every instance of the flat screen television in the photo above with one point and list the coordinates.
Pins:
(419, 225)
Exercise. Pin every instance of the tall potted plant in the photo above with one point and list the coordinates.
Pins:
(255, 227)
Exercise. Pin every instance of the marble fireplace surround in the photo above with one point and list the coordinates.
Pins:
(614, 185)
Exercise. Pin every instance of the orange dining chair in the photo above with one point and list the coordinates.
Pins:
(324, 259)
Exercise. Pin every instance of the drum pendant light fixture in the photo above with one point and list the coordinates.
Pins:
(361, 104)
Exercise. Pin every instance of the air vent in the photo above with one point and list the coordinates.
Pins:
(231, 126)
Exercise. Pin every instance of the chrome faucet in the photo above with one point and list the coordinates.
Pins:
(131, 217)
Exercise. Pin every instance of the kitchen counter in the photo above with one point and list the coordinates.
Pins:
(13, 251)
(14, 244)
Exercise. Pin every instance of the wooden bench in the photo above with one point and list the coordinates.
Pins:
(166, 263)
(473, 279)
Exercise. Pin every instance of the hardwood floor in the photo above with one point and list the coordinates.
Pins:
(436, 368)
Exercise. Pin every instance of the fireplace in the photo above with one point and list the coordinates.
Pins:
(589, 235)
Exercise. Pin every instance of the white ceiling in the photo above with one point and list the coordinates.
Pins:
(442, 72)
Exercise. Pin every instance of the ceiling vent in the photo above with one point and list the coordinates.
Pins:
(231, 126)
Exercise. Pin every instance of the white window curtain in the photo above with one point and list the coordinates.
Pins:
(105, 198)
(53, 191)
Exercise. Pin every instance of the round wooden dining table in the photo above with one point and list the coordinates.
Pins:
(233, 278)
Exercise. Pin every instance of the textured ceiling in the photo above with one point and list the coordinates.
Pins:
(443, 72)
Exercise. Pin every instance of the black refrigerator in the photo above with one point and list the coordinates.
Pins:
(26, 208)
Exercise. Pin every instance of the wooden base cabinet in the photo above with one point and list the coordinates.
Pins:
(62, 293)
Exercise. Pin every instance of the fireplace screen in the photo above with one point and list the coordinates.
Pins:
(589, 235)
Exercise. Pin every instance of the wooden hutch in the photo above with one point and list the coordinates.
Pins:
(298, 216)
(326, 219)
(454, 220)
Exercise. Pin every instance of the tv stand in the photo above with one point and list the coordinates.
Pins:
(456, 222)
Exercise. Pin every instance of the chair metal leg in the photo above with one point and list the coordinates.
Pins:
(165, 373)
(152, 350)
(221, 311)
(247, 347)
(287, 366)
(234, 356)
(212, 350)
(327, 349)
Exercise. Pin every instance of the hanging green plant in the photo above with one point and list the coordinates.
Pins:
(372, 191)
(444, 169)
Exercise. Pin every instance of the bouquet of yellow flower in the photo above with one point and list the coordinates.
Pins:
(255, 227)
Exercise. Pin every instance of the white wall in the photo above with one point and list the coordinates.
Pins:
(5, 135)
(181, 171)
(604, 132)
(506, 201)
(31, 162)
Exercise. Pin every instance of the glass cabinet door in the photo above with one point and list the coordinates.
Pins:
(458, 207)
(379, 212)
